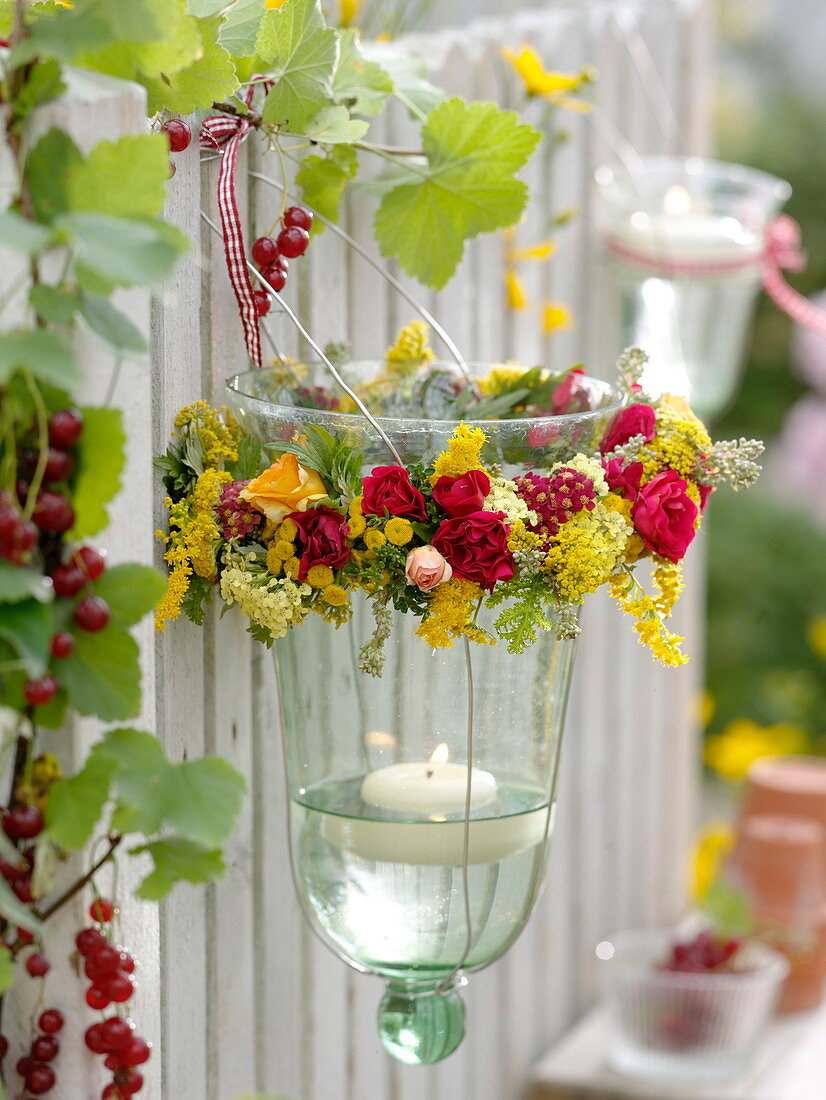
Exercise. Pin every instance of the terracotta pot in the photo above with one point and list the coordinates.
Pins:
(793, 785)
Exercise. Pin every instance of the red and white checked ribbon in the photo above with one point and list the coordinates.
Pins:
(783, 252)
(228, 131)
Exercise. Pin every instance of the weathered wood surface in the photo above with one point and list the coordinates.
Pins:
(235, 991)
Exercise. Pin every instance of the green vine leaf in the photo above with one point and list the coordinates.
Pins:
(211, 76)
(323, 180)
(101, 459)
(21, 234)
(75, 804)
(102, 675)
(120, 252)
(49, 167)
(408, 75)
(360, 85)
(172, 43)
(18, 583)
(131, 590)
(125, 178)
(241, 25)
(301, 54)
(113, 327)
(28, 627)
(467, 188)
(6, 970)
(42, 353)
(54, 306)
(333, 126)
(178, 860)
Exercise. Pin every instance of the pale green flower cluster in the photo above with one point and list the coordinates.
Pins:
(504, 498)
(274, 603)
(734, 461)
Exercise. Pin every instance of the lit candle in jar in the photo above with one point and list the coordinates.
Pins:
(433, 786)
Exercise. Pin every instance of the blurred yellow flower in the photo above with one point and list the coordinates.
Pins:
(553, 86)
(556, 317)
(541, 251)
(732, 752)
(274, 4)
(517, 295)
(816, 636)
(348, 11)
(704, 706)
(711, 846)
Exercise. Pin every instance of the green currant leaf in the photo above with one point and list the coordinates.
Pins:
(172, 46)
(100, 458)
(49, 166)
(211, 76)
(18, 583)
(21, 234)
(203, 9)
(408, 75)
(42, 353)
(125, 178)
(6, 970)
(177, 859)
(121, 252)
(301, 54)
(728, 909)
(360, 85)
(44, 84)
(241, 25)
(102, 675)
(203, 799)
(333, 125)
(28, 627)
(52, 305)
(138, 762)
(323, 180)
(15, 911)
(131, 590)
(75, 804)
(112, 326)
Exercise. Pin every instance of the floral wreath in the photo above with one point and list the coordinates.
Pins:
(443, 541)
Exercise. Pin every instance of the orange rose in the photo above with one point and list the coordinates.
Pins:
(286, 487)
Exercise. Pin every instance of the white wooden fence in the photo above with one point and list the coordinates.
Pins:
(236, 993)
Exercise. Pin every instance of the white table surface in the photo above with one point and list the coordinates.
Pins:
(790, 1066)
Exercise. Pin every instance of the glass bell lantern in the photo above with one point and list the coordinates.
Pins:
(392, 873)
(683, 240)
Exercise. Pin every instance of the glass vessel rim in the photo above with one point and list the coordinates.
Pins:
(769, 967)
(616, 400)
(693, 167)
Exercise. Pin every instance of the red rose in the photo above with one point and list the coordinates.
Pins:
(569, 393)
(664, 515)
(459, 496)
(705, 493)
(322, 534)
(635, 420)
(476, 546)
(621, 479)
(390, 489)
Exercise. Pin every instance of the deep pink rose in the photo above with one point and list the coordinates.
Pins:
(459, 496)
(390, 489)
(569, 393)
(425, 567)
(476, 547)
(635, 420)
(621, 479)
(322, 533)
(664, 515)
(705, 493)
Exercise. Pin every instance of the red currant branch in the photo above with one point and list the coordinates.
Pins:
(114, 841)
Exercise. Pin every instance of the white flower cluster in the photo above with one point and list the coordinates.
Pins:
(734, 461)
(590, 467)
(273, 603)
(504, 498)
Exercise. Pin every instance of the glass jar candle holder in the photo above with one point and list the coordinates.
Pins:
(683, 241)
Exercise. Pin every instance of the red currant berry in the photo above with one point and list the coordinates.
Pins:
(127, 963)
(137, 1051)
(112, 1092)
(42, 691)
(93, 972)
(25, 936)
(171, 170)
(24, 1065)
(23, 823)
(40, 1079)
(89, 561)
(94, 1039)
(297, 216)
(63, 645)
(51, 1021)
(120, 988)
(65, 428)
(37, 965)
(102, 910)
(92, 614)
(22, 887)
(293, 242)
(68, 580)
(132, 1084)
(106, 959)
(264, 251)
(178, 134)
(276, 278)
(53, 513)
(261, 300)
(97, 998)
(45, 1048)
(114, 1062)
(4, 1046)
(117, 1033)
(87, 940)
(59, 465)
(9, 871)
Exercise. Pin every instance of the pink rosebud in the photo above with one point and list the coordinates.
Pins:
(425, 567)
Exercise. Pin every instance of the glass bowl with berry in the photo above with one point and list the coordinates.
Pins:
(692, 1009)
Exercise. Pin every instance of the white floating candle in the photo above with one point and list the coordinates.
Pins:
(432, 786)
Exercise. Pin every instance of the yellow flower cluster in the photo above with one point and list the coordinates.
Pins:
(586, 550)
(500, 376)
(180, 570)
(450, 615)
(282, 556)
(398, 531)
(462, 454)
(216, 430)
(713, 843)
(201, 533)
(679, 442)
(521, 540)
(668, 580)
(650, 627)
(411, 348)
(732, 752)
(635, 548)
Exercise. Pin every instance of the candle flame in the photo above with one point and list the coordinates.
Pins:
(676, 201)
(440, 754)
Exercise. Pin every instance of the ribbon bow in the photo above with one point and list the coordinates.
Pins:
(227, 132)
(783, 252)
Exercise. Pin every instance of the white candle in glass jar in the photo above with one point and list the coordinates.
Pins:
(432, 786)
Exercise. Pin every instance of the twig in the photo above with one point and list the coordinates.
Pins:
(77, 886)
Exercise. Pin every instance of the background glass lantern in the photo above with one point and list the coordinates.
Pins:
(390, 871)
(683, 240)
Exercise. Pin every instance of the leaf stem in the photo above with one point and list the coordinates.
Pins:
(42, 443)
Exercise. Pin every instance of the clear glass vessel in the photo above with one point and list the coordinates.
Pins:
(685, 1028)
(390, 873)
(683, 240)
